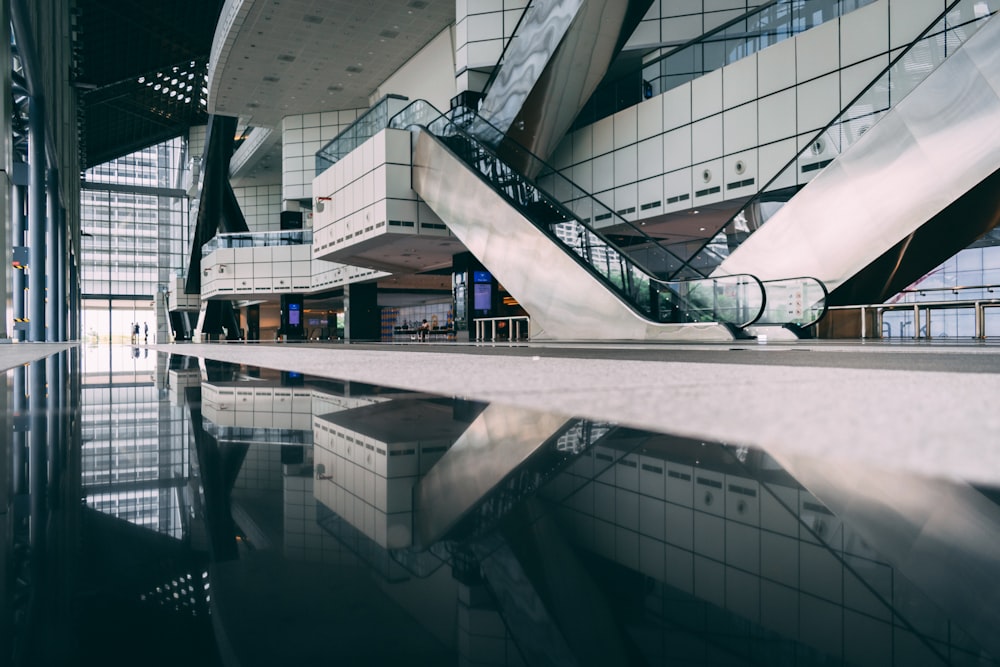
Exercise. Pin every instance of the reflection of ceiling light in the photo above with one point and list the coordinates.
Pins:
(701, 229)
(695, 212)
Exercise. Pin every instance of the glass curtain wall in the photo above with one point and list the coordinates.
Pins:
(135, 223)
(135, 233)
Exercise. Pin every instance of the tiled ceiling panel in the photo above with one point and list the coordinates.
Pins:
(283, 57)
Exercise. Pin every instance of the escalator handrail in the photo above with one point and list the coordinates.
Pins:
(670, 286)
(836, 119)
(546, 168)
(805, 279)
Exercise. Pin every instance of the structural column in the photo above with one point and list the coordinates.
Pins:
(36, 221)
(19, 224)
(362, 319)
(53, 273)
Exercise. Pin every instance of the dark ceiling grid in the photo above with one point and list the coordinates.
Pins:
(123, 40)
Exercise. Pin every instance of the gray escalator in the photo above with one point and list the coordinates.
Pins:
(573, 280)
(916, 187)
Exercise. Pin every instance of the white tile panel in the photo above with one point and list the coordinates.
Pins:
(740, 128)
(604, 136)
(583, 144)
(864, 33)
(854, 79)
(625, 126)
(739, 82)
(776, 116)
(603, 173)
(818, 102)
(706, 95)
(677, 148)
(706, 139)
(776, 67)
(818, 51)
(650, 191)
(650, 157)
(677, 107)
(908, 18)
(626, 165)
(649, 118)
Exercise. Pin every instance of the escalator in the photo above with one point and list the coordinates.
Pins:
(912, 190)
(576, 284)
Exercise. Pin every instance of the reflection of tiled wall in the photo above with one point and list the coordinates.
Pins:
(261, 469)
(727, 133)
(257, 407)
(301, 137)
(771, 554)
(369, 483)
(261, 206)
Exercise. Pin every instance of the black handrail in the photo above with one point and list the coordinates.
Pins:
(655, 299)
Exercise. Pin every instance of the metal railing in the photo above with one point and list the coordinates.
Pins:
(258, 240)
(922, 309)
(511, 323)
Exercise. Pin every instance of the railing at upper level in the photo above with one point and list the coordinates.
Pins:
(258, 240)
(364, 128)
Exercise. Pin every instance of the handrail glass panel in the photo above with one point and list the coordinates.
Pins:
(258, 240)
(737, 300)
(361, 130)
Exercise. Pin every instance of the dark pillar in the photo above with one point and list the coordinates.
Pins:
(362, 320)
(62, 307)
(36, 221)
(292, 314)
(253, 322)
(19, 224)
(37, 453)
(53, 273)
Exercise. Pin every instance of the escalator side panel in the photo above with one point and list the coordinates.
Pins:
(551, 71)
(933, 147)
(564, 300)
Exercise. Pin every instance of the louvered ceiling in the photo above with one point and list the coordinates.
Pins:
(133, 55)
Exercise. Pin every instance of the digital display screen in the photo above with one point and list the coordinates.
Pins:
(481, 297)
(481, 277)
(294, 314)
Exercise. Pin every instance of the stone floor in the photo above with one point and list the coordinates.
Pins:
(930, 409)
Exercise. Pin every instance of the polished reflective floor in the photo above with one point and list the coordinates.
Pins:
(164, 510)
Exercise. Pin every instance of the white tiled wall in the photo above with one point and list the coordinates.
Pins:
(727, 133)
(261, 206)
(482, 28)
(301, 137)
(369, 196)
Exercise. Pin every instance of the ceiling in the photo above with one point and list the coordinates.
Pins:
(284, 57)
(132, 56)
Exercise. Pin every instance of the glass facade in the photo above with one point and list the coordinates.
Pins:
(135, 224)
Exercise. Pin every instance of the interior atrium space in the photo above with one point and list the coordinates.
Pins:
(500, 333)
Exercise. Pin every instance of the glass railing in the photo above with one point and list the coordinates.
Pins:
(736, 300)
(364, 128)
(258, 240)
(756, 30)
(956, 24)
(798, 301)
